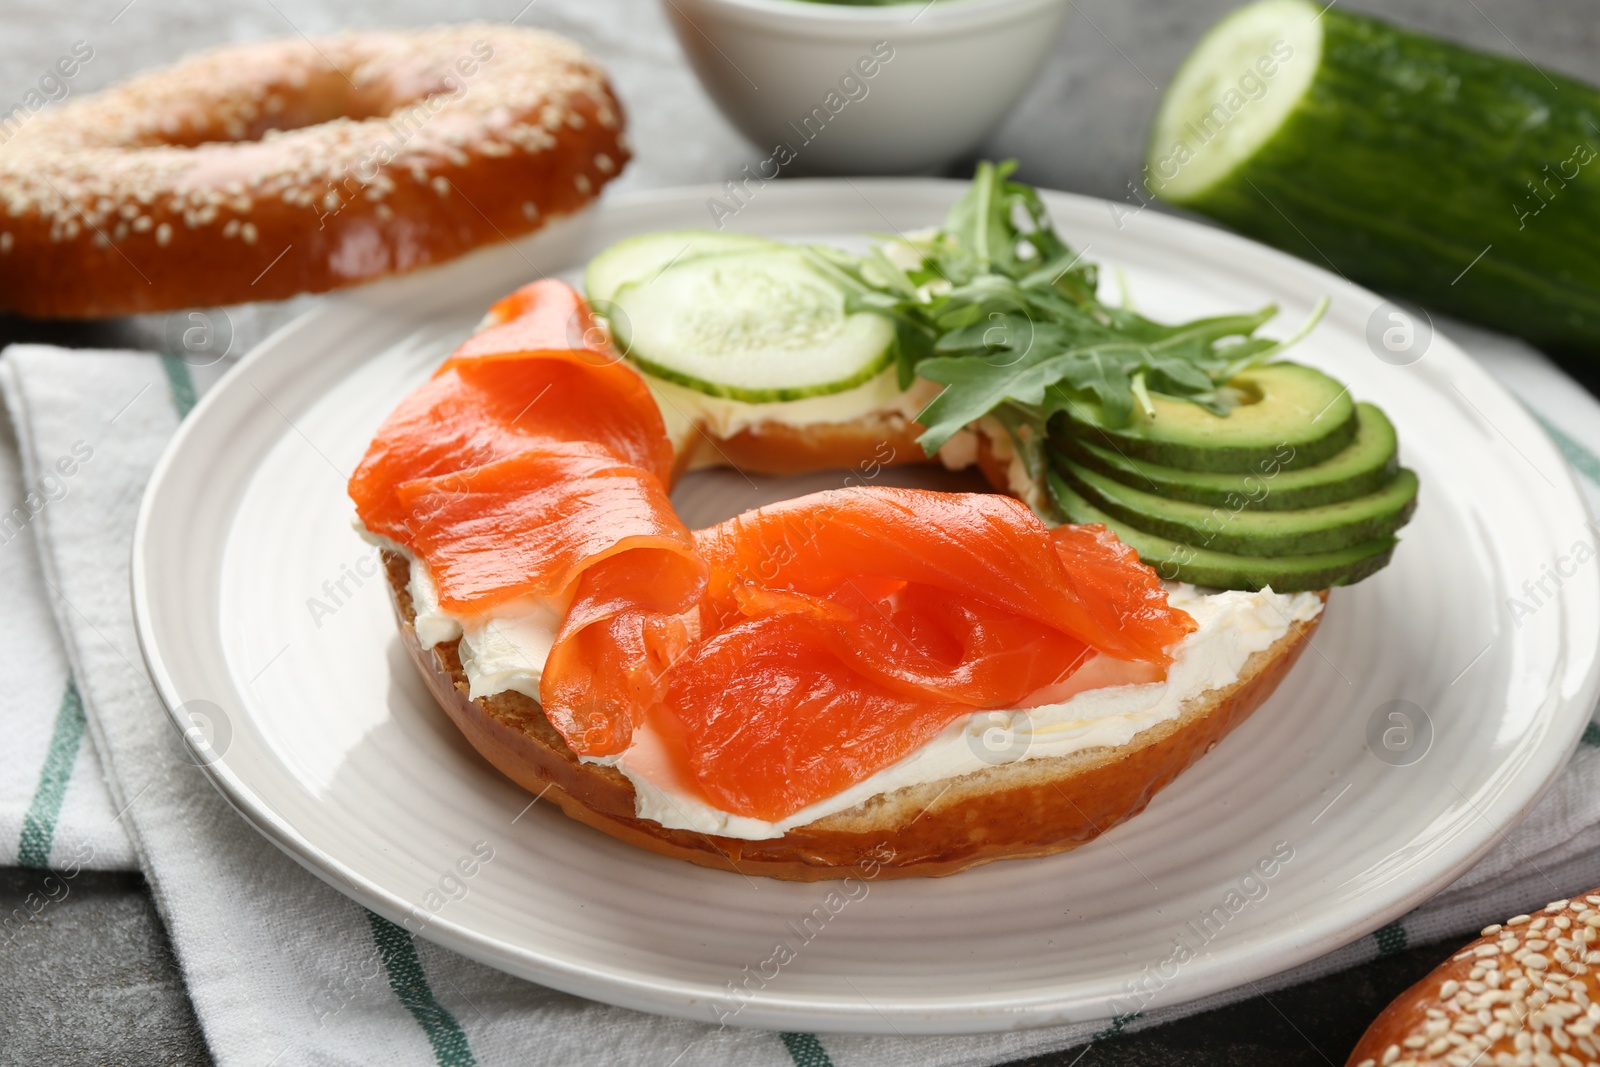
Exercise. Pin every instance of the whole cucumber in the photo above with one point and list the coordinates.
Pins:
(1465, 181)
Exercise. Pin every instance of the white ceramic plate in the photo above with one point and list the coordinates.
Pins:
(339, 756)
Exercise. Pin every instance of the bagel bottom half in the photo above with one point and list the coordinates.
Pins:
(1010, 811)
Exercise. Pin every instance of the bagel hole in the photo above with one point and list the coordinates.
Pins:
(325, 96)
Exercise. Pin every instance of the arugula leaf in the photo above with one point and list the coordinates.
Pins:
(1001, 311)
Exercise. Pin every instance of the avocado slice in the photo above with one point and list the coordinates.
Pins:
(1292, 417)
(1252, 533)
(1364, 466)
(1226, 570)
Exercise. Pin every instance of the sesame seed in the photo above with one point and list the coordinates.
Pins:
(5, 242)
(164, 234)
(247, 233)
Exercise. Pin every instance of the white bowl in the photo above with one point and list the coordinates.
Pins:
(830, 88)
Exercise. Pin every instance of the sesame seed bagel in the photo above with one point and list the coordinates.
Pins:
(262, 171)
(1013, 810)
(1527, 992)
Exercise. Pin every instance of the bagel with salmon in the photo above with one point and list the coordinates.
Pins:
(923, 681)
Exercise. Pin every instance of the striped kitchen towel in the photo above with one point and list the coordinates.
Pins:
(55, 810)
(284, 970)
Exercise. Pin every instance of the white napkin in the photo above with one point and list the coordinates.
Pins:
(284, 970)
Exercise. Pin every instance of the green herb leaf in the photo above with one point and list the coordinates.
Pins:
(998, 309)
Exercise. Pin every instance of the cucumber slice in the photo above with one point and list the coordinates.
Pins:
(758, 326)
(638, 259)
(1299, 417)
(1460, 179)
(1364, 466)
(1252, 533)
(1225, 570)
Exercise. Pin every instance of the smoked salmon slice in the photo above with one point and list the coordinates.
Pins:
(781, 656)
(533, 465)
(518, 385)
(531, 523)
(852, 626)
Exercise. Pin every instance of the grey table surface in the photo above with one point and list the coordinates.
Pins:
(97, 983)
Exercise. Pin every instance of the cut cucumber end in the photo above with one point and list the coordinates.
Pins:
(1235, 90)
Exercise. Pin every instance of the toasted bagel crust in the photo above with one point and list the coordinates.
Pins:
(261, 171)
(1013, 810)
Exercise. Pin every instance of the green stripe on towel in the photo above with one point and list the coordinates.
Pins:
(806, 1050)
(1391, 939)
(410, 985)
(39, 825)
(180, 384)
